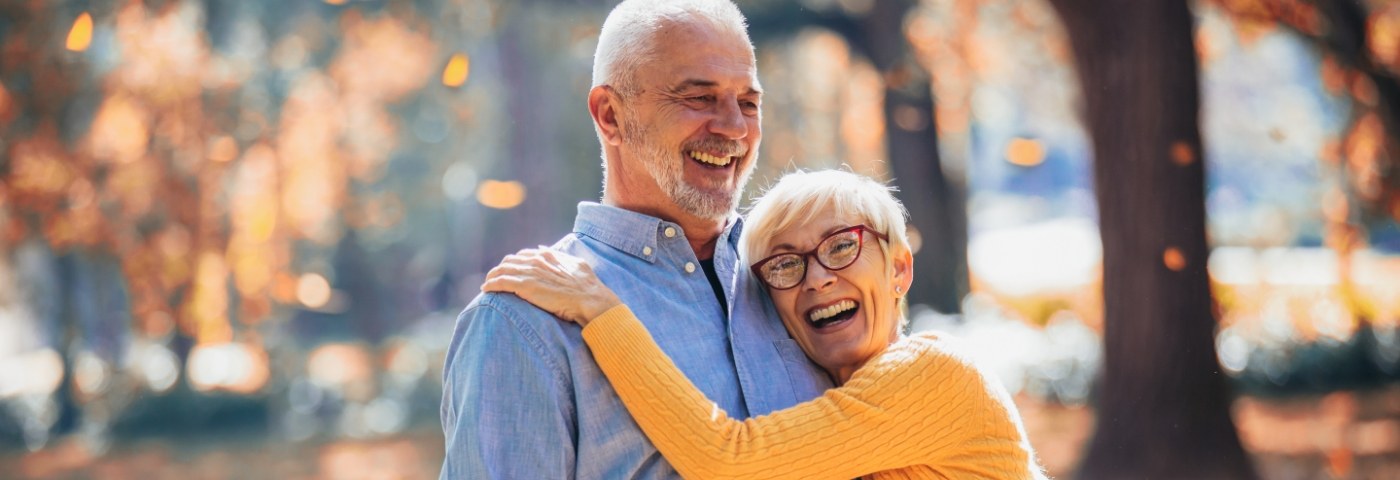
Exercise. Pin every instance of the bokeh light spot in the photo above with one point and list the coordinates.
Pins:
(313, 290)
(909, 118)
(223, 149)
(459, 182)
(80, 36)
(36, 373)
(1182, 154)
(234, 367)
(503, 195)
(456, 72)
(1025, 152)
(1174, 259)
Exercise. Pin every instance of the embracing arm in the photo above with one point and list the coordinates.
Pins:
(506, 408)
(895, 418)
(913, 406)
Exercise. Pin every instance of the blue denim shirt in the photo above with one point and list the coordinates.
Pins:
(522, 397)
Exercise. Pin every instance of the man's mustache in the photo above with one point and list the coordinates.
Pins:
(722, 147)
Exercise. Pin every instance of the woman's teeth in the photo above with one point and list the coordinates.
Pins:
(827, 312)
(711, 159)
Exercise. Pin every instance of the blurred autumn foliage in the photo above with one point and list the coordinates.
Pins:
(267, 210)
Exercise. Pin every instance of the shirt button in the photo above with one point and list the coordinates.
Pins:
(670, 232)
(689, 267)
(646, 251)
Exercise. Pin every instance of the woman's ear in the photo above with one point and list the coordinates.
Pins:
(604, 106)
(903, 272)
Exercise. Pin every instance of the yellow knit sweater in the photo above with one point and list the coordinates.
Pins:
(921, 409)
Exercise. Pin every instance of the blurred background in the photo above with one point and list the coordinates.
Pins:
(235, 234)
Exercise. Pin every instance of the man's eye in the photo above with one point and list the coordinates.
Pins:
(703, 98)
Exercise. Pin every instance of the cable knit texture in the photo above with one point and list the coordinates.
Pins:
(921, 409)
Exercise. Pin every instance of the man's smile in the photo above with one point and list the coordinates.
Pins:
(712, 160)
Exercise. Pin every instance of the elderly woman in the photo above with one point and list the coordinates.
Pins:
(831, 249)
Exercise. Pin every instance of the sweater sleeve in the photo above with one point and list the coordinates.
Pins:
(891, 413)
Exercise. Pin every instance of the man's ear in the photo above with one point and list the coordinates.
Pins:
(605, 106)
(903, 271)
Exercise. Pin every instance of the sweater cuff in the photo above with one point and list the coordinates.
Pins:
(617, 333)
(615, 314)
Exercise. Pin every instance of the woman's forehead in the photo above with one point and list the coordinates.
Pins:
(802, 235)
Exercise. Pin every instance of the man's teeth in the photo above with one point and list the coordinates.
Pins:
(831, 311)
(710, 159)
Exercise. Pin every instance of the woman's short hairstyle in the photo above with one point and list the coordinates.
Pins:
(799, 197)
(627, 42)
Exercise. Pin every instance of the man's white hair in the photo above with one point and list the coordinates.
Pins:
(626, 42)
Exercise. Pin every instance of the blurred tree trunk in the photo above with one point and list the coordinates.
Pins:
(1163, 404)
(936, 200)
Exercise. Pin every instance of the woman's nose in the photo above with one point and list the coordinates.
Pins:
(818, 277)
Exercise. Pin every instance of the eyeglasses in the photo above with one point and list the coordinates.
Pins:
(837, 251)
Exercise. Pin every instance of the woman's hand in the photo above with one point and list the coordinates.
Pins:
(557, 282)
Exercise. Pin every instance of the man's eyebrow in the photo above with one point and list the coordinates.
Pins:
(690, 83)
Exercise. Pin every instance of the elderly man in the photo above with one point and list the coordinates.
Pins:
(675, 102)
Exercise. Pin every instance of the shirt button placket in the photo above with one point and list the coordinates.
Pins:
(689, 267)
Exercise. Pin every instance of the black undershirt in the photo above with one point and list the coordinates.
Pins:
(709, 267)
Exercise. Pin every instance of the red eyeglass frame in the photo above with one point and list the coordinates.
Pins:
(757, 267)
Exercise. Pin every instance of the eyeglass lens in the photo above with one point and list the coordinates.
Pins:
(835, 252)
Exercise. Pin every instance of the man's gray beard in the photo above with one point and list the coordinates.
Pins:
(714, 204)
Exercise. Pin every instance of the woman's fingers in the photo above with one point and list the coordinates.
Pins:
(504, 283)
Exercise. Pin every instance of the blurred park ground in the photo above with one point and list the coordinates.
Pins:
(234, 234)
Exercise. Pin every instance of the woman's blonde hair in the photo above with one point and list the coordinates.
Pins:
(799, 197)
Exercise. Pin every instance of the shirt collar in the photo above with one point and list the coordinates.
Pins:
(635, 233)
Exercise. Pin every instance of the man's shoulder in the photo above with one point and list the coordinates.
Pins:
(508, 309)
(512, 308)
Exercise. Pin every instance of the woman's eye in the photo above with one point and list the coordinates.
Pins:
(843, 245)
(785, 264)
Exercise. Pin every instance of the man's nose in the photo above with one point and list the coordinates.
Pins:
(729, 120)
(817, 276)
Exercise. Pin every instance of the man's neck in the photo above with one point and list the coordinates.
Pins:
(703, 238)
(642, 195)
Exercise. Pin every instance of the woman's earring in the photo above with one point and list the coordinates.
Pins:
(898, 289)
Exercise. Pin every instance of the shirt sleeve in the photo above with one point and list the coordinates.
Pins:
(892, 414)
(506, 408)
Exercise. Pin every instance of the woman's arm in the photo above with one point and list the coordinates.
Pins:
(899, 411)
(905, 408)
